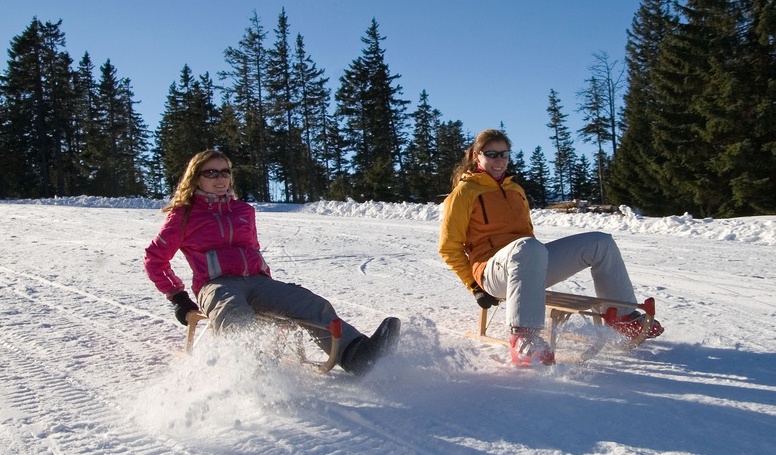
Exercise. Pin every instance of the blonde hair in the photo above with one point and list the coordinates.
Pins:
(187, 185)
(469, 161)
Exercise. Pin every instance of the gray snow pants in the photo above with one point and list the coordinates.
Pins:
(231, 302)
(521, 271)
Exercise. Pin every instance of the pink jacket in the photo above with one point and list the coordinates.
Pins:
(219, 238)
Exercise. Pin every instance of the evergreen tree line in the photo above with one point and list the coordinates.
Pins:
(65, 133)
(62, 132)
(697, 125)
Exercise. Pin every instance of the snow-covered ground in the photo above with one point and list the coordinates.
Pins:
(90, 357)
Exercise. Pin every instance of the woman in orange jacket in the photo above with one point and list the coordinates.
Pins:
(487, 239)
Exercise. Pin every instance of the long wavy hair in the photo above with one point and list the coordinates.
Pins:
(469, 161)
(187, 185)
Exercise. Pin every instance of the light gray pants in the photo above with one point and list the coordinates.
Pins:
(521, 271)
(232, 302)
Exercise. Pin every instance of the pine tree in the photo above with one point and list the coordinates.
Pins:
(334, 145)
(451, 146)
(537, 184)
(109, 124)
(564, 148)
(58, 79)
(611, 83)
(422, 153)
(582, 186)
(739, 105)
(695, 110)
(313, 103)
(374, 117)
(597, 125)
(188, 123)
(36, 89)
(134, 144)
(85, 137)
(682, 75)
(281, 107)
(154, 176)
(70, 135)
(519, 168)
(635, 177)
(119, 140)
(246, 93)
(12, 160)
(754, 179)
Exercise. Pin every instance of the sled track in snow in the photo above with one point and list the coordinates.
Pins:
(56, 396)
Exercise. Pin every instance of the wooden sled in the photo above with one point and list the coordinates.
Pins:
(563, 305)
(334, 327)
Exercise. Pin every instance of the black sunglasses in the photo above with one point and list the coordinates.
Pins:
(215, 173)
(496, 153)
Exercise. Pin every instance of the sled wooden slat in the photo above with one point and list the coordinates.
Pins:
(574, 303)
(562, 306)
(334, 328)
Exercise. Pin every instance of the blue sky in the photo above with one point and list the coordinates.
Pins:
(482, 62)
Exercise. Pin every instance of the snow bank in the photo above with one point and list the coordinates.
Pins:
(372, 209)
(756, 230)
(759, 230)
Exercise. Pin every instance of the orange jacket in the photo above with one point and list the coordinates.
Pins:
(479, 218)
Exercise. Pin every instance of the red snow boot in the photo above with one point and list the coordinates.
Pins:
(528, 347)
(630, 325)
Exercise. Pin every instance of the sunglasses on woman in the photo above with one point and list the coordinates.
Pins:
(215, 173)
(496, 153)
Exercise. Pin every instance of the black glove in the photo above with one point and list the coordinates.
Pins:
(183, 304)
(484, 300)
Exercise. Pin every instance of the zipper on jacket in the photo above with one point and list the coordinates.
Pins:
(245, 262)
(231, 229)
(484, 212)
(220, 224)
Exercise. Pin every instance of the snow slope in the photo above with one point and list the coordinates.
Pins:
(89, 360)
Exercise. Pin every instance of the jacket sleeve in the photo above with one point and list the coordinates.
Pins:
(452, 235)
(161, 251)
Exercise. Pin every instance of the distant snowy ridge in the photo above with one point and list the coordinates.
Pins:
(759, 230)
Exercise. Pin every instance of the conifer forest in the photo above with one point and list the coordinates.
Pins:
(687, 123)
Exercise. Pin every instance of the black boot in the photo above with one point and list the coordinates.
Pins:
(362, 353)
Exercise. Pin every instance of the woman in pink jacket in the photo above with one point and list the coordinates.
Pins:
(232, 283)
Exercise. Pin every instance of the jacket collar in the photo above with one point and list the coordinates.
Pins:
(214, 200)
(483, 178)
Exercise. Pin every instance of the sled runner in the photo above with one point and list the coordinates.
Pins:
(334, 327)
(563, 305)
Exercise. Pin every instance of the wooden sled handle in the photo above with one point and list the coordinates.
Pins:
(335, 328)
(192, 318)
